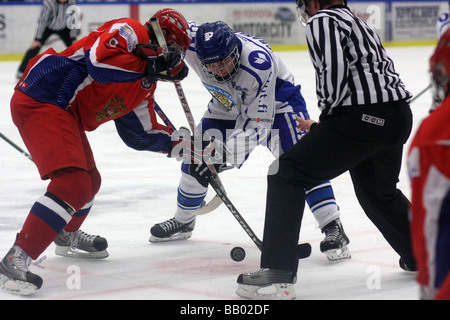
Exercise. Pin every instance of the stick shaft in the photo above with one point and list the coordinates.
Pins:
(15, 146)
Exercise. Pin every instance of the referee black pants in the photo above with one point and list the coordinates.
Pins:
(32, 52)
(368, 142)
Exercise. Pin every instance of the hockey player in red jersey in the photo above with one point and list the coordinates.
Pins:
(102, 77)
(429, 170)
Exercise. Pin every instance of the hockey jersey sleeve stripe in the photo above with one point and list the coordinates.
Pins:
(138, 130)
(104, 73)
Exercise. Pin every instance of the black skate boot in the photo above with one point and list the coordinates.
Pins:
(170, 230)
(267, 284)
(335, 243)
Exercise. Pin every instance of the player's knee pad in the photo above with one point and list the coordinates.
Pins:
(71, 185)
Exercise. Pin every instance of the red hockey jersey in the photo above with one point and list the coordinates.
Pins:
(429, 170)
(97, 79)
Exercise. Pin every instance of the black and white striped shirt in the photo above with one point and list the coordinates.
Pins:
(352, 67)
(53, 15)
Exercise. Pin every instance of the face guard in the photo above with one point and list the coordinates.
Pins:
(440, 68)
(223, 70)
(218, 51)
(174, 27)
(302, 13)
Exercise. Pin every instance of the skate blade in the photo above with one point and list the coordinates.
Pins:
(338, 255)
(174, 237)
(80, 254)
(276, 291)
(17, 287)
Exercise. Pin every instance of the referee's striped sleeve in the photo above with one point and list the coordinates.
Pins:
(352, 67)
(327, 52)
(44, 18)
(54, 15)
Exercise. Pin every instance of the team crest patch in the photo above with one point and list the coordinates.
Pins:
(113, 108)
(224, 97)
(259, 60)
(145, 84)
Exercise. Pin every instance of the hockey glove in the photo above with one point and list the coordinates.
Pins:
(202, 174)
(213, 153)
(176, 74)
(157, 65)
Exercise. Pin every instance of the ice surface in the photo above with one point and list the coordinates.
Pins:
(139, 190)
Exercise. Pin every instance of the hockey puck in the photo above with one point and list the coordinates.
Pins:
(304, 250)
(237, 254)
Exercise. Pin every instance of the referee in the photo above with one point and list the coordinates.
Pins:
(52, 20)
(365, 121)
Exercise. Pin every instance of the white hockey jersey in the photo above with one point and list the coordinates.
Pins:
(261, 88)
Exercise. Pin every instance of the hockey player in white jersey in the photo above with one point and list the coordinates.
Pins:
(254, 101)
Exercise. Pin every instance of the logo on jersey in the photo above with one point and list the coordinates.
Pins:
(259, 60)
(113, 42)
(126, 32)
(225, 98)
(145, 84)
(113, 108)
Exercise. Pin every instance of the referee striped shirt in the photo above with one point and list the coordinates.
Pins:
(53, 15)
(352, 67)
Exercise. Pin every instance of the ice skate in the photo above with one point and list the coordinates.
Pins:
(408, 264)
(15, 276)
(171, 230)
(267, 284)
(335, 243)
(80, 244)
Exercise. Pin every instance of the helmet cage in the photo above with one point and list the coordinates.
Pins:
(174, 27)
(223, 70)
(440, 68)
(218, 50)
(440, 84)
(302, 13)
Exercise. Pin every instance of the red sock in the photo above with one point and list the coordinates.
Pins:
(79, 217)
(35, 236)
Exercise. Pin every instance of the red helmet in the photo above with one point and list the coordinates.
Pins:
(174, 26)
(440, 68)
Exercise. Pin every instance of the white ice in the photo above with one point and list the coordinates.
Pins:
(139, 190)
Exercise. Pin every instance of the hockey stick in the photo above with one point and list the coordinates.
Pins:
(420, 93)
(15, 146)
(304, 250)
(215, 202)
(163, 117)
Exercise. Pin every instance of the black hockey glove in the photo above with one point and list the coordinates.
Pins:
(176, 74)
(202, 174)
(157, 65)
(213, 153)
